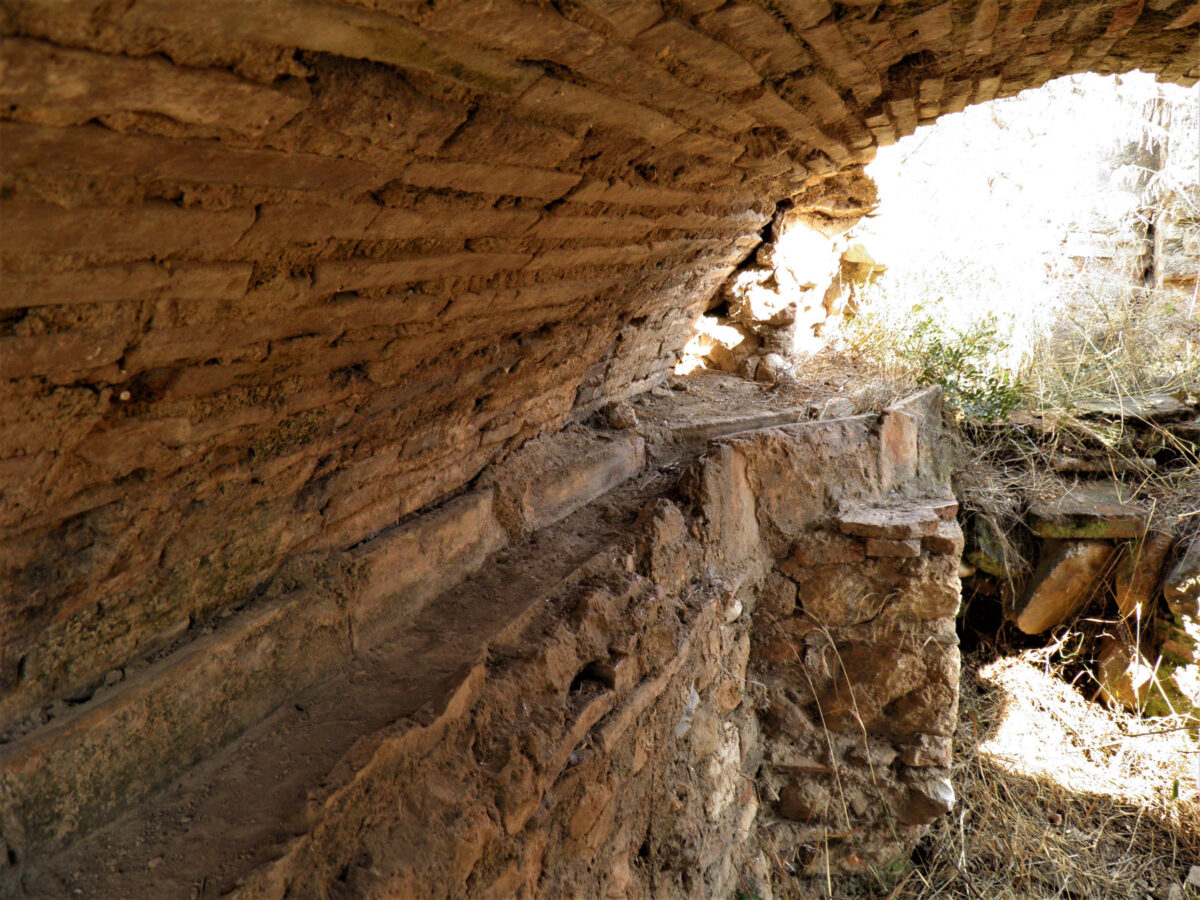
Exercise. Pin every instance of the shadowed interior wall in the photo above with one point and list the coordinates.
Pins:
(277, 275)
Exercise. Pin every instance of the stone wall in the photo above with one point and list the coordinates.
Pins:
(278, 275)
(645, 692)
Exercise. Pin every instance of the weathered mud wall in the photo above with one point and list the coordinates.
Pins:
(279, 274)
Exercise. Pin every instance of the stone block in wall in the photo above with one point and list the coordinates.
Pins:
(899, 522)
(106, 156)
(550, 478)
(415, 561)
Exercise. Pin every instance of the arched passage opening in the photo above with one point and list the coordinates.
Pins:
(283, 281)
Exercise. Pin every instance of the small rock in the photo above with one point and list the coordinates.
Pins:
(803, 802)
(1088, 511)
(1193, 877)
(927, 750)
(771, 368)
(112, 677)
(621, 415)
(927, 800)
(1061, 584)
(734, 612)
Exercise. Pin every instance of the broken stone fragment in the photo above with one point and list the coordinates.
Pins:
(1088, 511)
(926, 800)
(900, 523)
(896, 549)
(771, 368)
(946, 540)
(803, 801)
(1182, 585)
(1137, 573)
(1062, 583)
(621, 415)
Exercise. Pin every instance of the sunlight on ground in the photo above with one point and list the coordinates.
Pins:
(1047, 730)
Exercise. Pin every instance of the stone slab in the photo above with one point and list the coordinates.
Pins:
(1150, 408)
(1088, 511)
(1063, 582)
(892, 523)
(947, 540)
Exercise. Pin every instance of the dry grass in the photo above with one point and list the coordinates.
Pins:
(1058, 797)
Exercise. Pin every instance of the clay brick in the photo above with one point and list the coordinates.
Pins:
(98, 153)
(720, 67)
(595, 227)
(58, 356)
(111, 234)
(636, 79)
(1190, 16)
(516, 181)
(61, 86)
(1126, 16)
(559, 99)
(636, 196)
(137, 281)
(1021, 14)
(836, 52)
(758, 36)
(331, 277)
(556, 260)
(336, 29)
(508, 139)
(802, 16)
(306, 223)
(627, 18)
